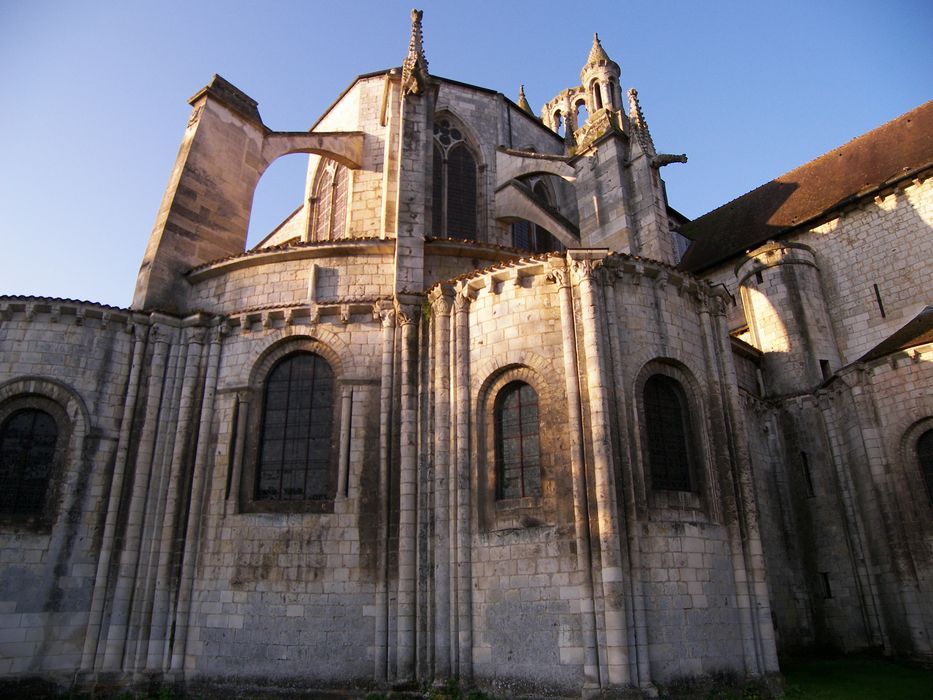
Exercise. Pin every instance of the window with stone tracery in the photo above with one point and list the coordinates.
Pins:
(454, 201)
(329, 202)
(297, 422)
(518, 458)
(28, 440)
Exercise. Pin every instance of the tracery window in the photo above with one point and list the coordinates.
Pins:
(296, 436)
(527, 235)
(925, 457)
(518, 459)
(455, 180)
(28, 439)
(329, 202)
(667, 423)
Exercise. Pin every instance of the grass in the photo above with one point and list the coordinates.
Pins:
(856, 678)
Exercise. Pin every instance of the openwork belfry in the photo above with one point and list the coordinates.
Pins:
(483, 408)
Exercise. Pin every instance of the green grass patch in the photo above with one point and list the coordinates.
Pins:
(856, 678)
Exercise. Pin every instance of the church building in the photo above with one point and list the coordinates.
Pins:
(483, 407)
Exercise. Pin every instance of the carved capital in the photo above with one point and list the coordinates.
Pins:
(440, 300)
(581, 271)
(406, 314)
(385, 312)
(559, 276)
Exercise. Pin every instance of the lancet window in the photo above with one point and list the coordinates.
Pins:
(329, 202)
(455, 184)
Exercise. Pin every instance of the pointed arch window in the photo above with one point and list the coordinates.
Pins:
(455, 184)
(667, 423)
(329, 202)
(530, 236)
(28, 440)
(518, 458)
(295, 451)
(925, 457)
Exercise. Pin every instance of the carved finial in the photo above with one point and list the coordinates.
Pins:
(640, 126)
(523, 101)
(415, 67)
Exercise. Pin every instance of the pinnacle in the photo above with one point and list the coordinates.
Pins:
(597, 52)
(523, 101)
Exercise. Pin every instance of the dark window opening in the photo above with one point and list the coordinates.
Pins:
(667, 421)
(518, 464)
(825, 369)
(295, 447)
(28, 440)
(597, 96)
(925, 457)
(758, 277)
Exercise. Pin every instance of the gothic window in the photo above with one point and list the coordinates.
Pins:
(925, 457)
(667, 423)
(329, 202)
(295, 444)
(28, 439)
(455, 180)
(518, 464)
(530, 236)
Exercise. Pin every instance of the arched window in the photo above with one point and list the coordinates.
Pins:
(925, 457)
(518, 463)
(28, 439)
(667, 423)
(612, 89)
(596, 95)
(455, 196)
(529, 236)
(295, 446)
(329, 202)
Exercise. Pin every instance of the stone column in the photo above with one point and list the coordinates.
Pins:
(199, 480)
(591, 671)
(440, 308)
(158, 637)
(638, 637)
(463, 485)
(611, 569)
(408, 454)
(126, 575)
(386, 315)
(102, 577)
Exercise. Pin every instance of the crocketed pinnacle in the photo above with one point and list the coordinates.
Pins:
(415, 67)
(523, 101)
(639, 125)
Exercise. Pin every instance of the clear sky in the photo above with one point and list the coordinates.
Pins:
(93, 96)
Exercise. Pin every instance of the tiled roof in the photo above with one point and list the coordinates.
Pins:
(834, 180)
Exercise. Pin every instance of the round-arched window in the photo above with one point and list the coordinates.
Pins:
(28, 439)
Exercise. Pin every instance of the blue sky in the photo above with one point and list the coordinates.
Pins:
(93, 96)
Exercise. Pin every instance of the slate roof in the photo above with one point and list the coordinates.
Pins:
(871, 161)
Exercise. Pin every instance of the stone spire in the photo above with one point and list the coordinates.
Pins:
(415, 67)
(523, 101)
(597, 52)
